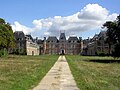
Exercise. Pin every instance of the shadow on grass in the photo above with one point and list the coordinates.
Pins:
(104, 61)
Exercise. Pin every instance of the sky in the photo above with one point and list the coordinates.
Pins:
(43, 18)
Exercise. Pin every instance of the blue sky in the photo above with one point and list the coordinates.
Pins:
(29, 14)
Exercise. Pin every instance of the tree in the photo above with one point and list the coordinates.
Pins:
(116, 52)
(113, 36)
(10, 37)
(6, 35)
(110, 33)
(2, 21)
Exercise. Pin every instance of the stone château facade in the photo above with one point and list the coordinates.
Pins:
(62, 45)
(96, 45)
(51, 45)
(25, 44)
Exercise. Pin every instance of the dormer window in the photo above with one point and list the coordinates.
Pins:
(61, 38)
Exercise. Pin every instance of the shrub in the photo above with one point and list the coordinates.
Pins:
(101, 54)
(116, 52)
(3, 52)
(19, 52)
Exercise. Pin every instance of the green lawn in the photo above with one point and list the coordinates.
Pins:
(93, 75)
(24, 72)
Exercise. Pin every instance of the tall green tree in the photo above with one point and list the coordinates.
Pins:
(110, 26)
(113, 35)
(2, 21)
(6, 35)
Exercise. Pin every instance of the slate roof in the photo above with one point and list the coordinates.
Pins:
(39, 41)
(102, 33)
(31, 38)
(18, 32)
(52, 39)
(18, 35)
(62, 37)
(95, 37)
(73, 39)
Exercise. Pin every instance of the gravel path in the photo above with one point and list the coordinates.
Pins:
(58, 78)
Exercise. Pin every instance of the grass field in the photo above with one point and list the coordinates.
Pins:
(24, 72)
(92, 73)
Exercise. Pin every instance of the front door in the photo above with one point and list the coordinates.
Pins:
(33, 53)
(63, 52)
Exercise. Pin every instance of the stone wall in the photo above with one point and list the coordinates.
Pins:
(32, 48)
(32, 51)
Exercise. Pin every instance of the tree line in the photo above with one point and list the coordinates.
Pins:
(113, 36)
(6, 37)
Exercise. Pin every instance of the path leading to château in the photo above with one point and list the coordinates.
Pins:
(58, 78)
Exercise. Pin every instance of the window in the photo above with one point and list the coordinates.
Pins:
(49, 45)
(20, 44)
(53, 46)
(74, 46)
(69, 41)
(61, 37)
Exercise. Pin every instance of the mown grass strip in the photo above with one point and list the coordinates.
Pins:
(24, 72)
(95, 75)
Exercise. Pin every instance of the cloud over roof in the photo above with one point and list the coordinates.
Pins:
(91, 17)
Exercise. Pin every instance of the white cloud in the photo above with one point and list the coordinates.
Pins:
(19, 27)
(112, 17)
(47, 34)
(93, 12)
(37, 24)
(42, 23)
(91, 17)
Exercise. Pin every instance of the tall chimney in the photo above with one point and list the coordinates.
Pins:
(36, 38)
(80, 38)
(44, 38)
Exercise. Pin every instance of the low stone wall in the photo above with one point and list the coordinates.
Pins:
(32, 51)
